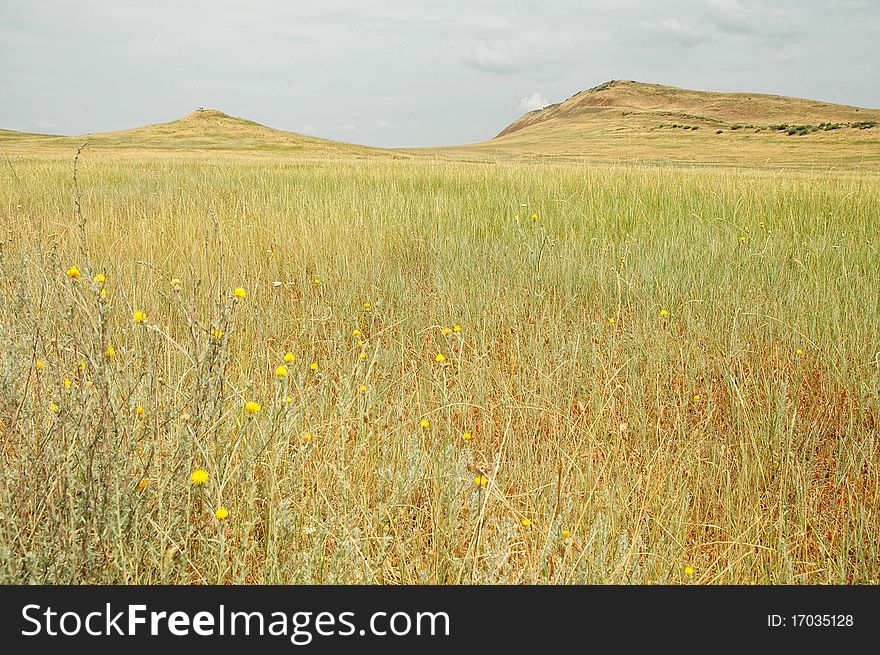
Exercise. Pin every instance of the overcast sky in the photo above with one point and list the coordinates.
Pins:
(409, 72)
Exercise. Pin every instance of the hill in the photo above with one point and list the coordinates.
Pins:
(619, 121)
(204, 130)
(627, 120)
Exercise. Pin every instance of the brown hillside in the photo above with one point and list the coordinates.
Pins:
(708, 107)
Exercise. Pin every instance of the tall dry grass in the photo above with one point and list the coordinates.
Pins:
(663, 369)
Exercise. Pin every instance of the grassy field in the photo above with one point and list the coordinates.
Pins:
(497, 372)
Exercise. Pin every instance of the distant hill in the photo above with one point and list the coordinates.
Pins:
(202, 130)
(626, 121)
(620, 121)
(704, 108)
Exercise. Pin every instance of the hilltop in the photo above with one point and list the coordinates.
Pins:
(708, 109)
(627, 120)
(202, 130)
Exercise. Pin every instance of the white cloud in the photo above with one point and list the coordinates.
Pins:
(491, 58)
(386, 125)
(749, 18)
(676, 31)
(533, 102)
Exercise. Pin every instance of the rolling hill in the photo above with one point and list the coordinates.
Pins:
(626, 121)
(619, 121)
(204, 130)
(656, 102)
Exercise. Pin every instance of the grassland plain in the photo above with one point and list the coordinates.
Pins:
(456, 372)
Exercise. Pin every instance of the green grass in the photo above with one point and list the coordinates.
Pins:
(736, 433)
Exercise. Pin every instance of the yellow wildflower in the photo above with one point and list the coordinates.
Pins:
(440, 358)
(526, 523)
(110, 353)
(314, 366)
(355, 333)
(139, 317)
(689, 570)
(424, 423)
(467, 436)
(566, 534)
(221, 513)
(99, 279)
(72, 272)
(239, 293)
(199, 477)
(447, 331)
(289, 357)
(252, 407)
(664, 312)
(139, 410)
(481, 481)
(281, 372)
(142, 485)
(39, 365)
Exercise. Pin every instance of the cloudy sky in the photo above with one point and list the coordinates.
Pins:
(409, 72)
